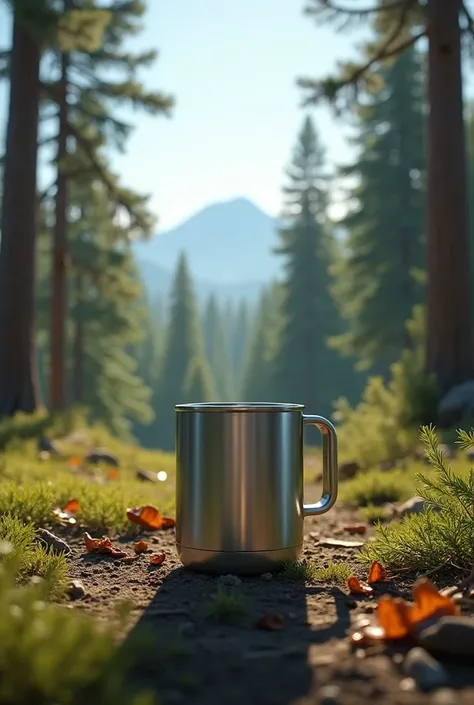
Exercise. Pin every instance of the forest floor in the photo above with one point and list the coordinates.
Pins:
(186, 656)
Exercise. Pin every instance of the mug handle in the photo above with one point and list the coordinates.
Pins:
(330, 467)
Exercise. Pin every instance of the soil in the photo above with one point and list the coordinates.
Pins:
(187, 657)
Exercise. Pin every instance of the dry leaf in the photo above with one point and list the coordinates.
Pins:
(113, 474)
(356, 529)
(377, 573)
(74, 462)
(72, 506)
(157, 558)
(140, 547)
(66, 514)
(393, 615)
(356, 587)
(430, 603)
(103, 545)
(271, 621)
(150, 518)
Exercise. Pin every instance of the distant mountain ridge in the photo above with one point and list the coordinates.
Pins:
(228, 247)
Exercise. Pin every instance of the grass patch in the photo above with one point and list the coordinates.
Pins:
(52, 655)
(30, 558)
(227, 606)
(443, 535)
(335, 573)
(299, 571)
(372, 514)
(377, 487)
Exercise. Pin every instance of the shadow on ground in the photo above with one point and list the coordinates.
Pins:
(190, 657)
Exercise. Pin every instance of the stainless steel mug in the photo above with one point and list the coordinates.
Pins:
(239, 484)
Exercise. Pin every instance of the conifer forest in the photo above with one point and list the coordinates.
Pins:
(380, 295)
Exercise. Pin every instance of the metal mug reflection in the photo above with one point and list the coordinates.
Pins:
(239, 484)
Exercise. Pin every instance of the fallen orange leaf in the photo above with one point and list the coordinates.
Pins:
(272, 621)
(393, 615)
(429, 602)
(157, 558)
(357, 587)
(103, 545)
(74, 461)
(72, 506)
(356, 528)
(168, 523)
(141, 547)
(113, 474)
(377, 573)
(147, 516)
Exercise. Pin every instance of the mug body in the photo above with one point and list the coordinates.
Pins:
(239, 485)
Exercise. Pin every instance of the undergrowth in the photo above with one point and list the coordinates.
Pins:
(51, 655)
(227, 606)
(441, 536)
(30, 557)
(335, 573)
(377, 487)
(302, 570)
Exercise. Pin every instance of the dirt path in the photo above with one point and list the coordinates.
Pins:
(189, 658)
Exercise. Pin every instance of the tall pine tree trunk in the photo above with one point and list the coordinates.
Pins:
(448, 353)
(59, 255)
(78, 345)
(18, 365)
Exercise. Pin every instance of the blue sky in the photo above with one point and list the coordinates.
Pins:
(232, 67)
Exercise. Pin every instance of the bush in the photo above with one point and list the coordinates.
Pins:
(441, 536)
(376, 487)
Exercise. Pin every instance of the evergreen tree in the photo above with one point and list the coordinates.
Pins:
(183, 343)
(198, 383)
(375, 282)
(258, 377)
(217, 350)
(400, 25)
(306, 370)
(239, 340)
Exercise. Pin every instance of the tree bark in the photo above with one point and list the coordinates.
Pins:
(18, 365)
(448, 353)
(59, 309)
(78, 367)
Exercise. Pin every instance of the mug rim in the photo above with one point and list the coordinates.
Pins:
(239, 406)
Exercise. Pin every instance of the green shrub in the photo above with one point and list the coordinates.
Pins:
(441, 536)
(52, 656)
(376, 487)
(334, 573)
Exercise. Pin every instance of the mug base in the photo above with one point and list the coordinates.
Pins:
(237, 562)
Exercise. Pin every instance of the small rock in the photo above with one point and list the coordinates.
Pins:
(231, 580)
(424, 669)
(445, 696)
(407, 685)
(56, 544)
(414, 505)
(101, 455)
(46, 445)
(146, 475)
(329, 694)
(456, 405)
(450, 635)
(266, 576)
(76, 590)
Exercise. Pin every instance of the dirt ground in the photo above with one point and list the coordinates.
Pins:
(189, 658)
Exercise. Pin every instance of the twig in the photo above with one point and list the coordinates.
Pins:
(364, 10)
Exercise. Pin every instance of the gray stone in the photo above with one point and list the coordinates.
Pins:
(424, 669)
(445, 696)
(330, 694)
(414, 505)
(266, 576)
(450, 635)
(102, 455)
(56, 544)
(76, 590)
(456, 405)
(231, 580)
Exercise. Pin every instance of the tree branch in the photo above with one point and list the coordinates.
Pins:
(469, 19)
(329, 5)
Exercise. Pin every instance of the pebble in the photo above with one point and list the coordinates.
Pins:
(424, 669)
(340, 543)
(56, 544)
(330, 695)
(266, 576)
(76, 590)
(450, 635)
(231, 580)
(445, 696)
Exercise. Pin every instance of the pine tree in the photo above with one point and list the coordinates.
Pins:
(239, 337)
(184, 342)
(198, 383)
(258, 375)
(400, 25)
(217, 350)
(306, 370)
(375, 278)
